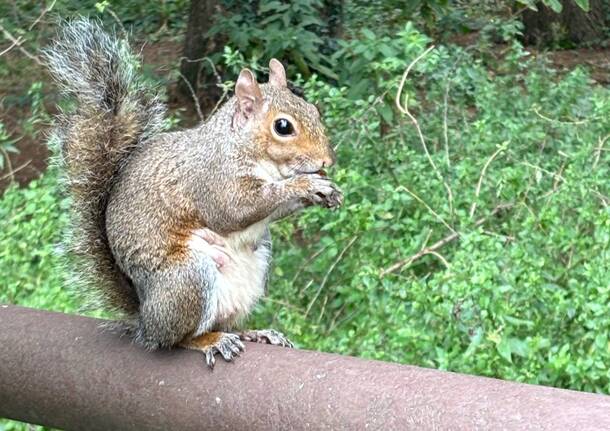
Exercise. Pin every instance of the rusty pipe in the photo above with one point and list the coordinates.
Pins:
(64, 371)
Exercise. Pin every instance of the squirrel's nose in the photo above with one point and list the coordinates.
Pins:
(329, 160)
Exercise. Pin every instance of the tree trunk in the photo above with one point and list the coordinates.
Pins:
(332, 12)
(572, 26)
(195, 71)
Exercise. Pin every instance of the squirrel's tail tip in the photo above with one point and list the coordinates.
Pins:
(99, 70)
(86, 61)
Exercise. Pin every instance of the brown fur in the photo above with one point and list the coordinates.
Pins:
(179, 234)
(206, 340)
(139, 195)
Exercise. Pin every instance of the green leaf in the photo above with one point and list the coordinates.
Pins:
(387, 50)
(368, 34)
(275, 6)
(555, 5)
(518, 347)
(475, 341)
(504, 349)
(386, 113)
(583, 4)
(530, 4)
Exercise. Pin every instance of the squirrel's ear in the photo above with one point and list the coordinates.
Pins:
(249, 96)
(277, 74)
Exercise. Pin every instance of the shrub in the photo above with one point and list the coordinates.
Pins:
(523, 295)
(31, 222)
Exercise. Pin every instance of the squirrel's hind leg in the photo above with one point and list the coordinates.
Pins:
(266, 336)
(174, 303)
(167, 315)
(228, 345)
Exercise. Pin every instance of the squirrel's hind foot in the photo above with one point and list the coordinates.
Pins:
(266, 336)
(226, 344)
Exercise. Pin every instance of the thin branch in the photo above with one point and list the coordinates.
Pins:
(557, 178)
(12, 45)
(17, 43)
(283, 304)
(219, 82)
(437, 245)
(605, 200)
(446, 105)
(118, 21)
(323, 310)
(42, 14)
(12, 172)
(341, 321)
(9, 165)
(193, 95)
(555, 175)
(434, 213)
(598, 150)
(473, 207)
(308, 262)
(330, 269)
(402, 84)
(445, 126)
(222, 98)
(553, 120)
(440, 257)
(405, 110)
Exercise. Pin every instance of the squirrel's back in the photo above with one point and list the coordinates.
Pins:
(115, 113)
(156, 199)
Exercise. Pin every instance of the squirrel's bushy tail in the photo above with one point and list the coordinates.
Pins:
(115, 113)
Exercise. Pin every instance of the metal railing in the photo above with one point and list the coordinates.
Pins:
(64, 371)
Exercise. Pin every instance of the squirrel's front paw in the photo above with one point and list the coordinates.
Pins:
(267, 336)
(320, 190)
(226, 344)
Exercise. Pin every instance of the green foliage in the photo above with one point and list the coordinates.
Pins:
(31, 222)
(155, 18)
(7, 145)
(523, 295)
(6, 425)
(373, 65)
(30, 125)
(389, 14)
(555, 5)
(271, 28)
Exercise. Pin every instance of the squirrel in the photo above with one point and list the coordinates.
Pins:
(172, 228)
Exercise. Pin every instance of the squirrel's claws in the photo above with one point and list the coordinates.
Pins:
(324, 192)
(209, 359)
(227, 345)
(266, 336)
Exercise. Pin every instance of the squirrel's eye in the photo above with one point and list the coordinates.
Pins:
(283, 127)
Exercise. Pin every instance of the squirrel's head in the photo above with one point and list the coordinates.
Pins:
(287, 131)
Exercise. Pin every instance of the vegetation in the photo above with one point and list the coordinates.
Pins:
(475, 235)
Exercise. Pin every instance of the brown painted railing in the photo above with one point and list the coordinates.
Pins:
(64, 371)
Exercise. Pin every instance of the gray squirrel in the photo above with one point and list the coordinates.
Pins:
(173, 228)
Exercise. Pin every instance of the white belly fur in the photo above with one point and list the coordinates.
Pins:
(239, 283)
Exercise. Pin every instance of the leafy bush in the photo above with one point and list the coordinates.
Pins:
(31, 222)
(523, 295)
(266, 29)
(30, 126)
